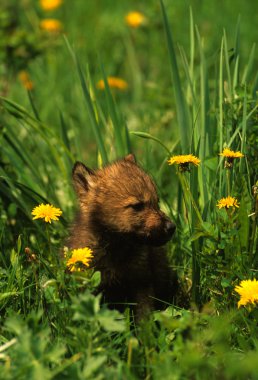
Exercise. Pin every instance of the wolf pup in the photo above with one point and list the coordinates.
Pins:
(120, 220)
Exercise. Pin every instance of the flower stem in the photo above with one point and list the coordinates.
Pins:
(49, 241)
(228, 180)
(187, 192)
(196, 275)
(254, 225)
(129, 355)
(196, 270)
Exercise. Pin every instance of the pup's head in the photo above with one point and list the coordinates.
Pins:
(121, 199)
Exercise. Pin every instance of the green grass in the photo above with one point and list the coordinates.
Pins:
(191, 71)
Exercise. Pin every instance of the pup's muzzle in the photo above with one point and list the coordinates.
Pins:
(164, 234)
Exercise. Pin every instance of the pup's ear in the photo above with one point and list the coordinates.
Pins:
(130, 157)
(83, 178)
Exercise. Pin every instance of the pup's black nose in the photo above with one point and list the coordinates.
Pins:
(170, 227)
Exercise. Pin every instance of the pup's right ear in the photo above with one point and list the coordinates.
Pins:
(130, 157)
(83, 178)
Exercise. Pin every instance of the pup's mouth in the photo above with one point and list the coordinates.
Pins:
(158, 241)
(155, 238)
(159, 238)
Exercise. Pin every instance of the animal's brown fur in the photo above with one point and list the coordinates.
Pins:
(120, 220)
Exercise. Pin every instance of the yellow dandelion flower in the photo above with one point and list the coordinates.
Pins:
(25, 80)
(227, 202)
(134, 19)
(51, 25)
(113, 82)
(184, 161)
(47, 212)
(48, 5)
(248, 291)
(231, 154)
(80, 256)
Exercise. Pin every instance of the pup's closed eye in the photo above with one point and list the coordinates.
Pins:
(138, 206)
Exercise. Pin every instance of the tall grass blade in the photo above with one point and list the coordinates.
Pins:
(249, 66)
(238, 129)
(65, 139)
(236, 75)
(236, 57)
(54, 144)
(94, 123)
(146, 135)
(227, 64)
(182, 110)
(192, 44)
(244, 162)
(191, 96)
(14, 192)
(119, 143)
(128, 140)
(205, 146)
(20, 159)
(243, 135)
(220, 126)
(237, 39)
(33, 106)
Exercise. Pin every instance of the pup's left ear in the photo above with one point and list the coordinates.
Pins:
(130, 157)
(83, 178)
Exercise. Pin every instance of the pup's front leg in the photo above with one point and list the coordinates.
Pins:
(144, 303)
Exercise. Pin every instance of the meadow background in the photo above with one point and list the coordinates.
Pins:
(191, 74)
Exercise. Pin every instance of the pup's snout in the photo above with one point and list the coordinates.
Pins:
(170, 228)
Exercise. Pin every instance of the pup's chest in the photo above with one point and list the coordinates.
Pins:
(129, 270)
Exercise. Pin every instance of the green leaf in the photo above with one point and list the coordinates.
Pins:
(146, 135)
(95, 279)
(111, 320)
(5, 295)
(93, 364)
(225, 283)
(205, 230)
